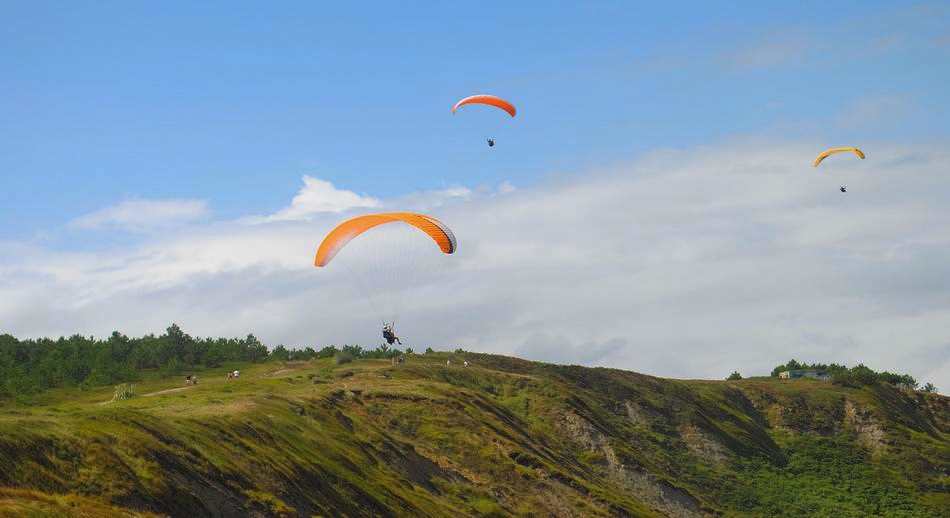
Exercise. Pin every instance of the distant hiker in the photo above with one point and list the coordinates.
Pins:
(237, 374)
(230, 375)
(448, 362)
(466, 363)
(188, 379)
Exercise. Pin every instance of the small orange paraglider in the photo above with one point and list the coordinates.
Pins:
(490, 100)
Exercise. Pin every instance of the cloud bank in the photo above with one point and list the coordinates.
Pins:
(139, 215)
(686, 263)
(320, 196)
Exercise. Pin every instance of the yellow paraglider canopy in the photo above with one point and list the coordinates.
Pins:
(828, 152)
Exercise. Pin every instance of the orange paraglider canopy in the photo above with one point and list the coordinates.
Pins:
(490, 100)
(349, 229)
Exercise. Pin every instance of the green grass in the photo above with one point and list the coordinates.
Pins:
(826, 476)
(503, 437)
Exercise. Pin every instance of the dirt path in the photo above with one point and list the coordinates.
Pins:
(159, 393)
(167, 391)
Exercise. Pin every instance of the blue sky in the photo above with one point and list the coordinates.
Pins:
(652, 207)
(233, 102)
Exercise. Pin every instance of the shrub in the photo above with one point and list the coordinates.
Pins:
(843, 378)
(280, 353)
(904, 380)
(123, 392)
(356, 351)
(327, 352)
(342, 357)
(735, 376)
(863, 375)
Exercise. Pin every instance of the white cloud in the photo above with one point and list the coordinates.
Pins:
(319, 196)
(687, 263)
(141, 215)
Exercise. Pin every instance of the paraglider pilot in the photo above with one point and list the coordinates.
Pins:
(390, 334)
(491, 142)
(843, 188)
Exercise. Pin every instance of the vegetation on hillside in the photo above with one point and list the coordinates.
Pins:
(501, 437)
(855, 376)
(32, 366)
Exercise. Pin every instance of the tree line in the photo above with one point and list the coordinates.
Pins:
(854, 376)
(34, 365)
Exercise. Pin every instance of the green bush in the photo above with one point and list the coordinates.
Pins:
(280, 353)
(863, 375)
(327, 352)
(844, 378)
(824, 477)
(343, 357)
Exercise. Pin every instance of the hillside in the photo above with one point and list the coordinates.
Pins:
(498, 438)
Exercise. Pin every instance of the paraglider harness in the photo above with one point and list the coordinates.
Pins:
(389, 334)
(491, 142)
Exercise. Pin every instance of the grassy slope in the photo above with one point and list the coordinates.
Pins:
(503, 437)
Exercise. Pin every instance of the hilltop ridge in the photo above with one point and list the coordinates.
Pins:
(501, 437)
